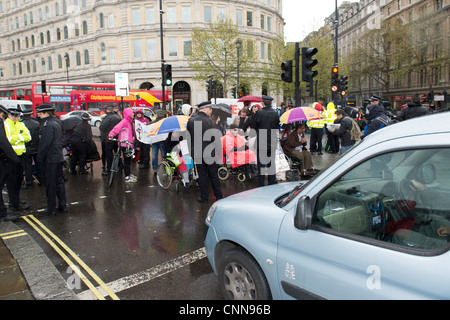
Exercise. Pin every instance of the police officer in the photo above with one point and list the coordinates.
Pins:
(17, 134)
(203, 151)
(31, 147)
(108, 147)
(50, 160)
(266, 123)
(7, 154)
(82, 134)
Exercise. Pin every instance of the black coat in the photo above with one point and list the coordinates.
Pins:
(264, 122)
(197, 127)
(6, 150)
(50, 142)
(33, 125)
(344, 131)
(108, 123)
(413, 110)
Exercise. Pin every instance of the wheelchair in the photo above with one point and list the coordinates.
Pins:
(244, 172)
(167, 173)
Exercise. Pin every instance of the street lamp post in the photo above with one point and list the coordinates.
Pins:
(238, 48)
(66, 57)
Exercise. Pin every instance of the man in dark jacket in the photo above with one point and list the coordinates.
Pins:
(108, 123)
(7, 153)
(31, 147)
(266, 123)
(81, 137)
(414, 109)
(205, 151)
(343, 132)
(50, 160)
(375, 116)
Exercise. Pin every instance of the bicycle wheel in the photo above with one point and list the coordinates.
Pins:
(164, 175)
(114, 168)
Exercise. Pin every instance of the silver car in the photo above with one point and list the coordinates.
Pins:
(374, 225)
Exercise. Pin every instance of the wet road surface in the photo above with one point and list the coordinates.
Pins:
(143, 242)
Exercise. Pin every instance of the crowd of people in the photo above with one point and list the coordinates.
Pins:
(255, 133)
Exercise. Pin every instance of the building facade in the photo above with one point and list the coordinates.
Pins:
(89, 40)
(430, 24)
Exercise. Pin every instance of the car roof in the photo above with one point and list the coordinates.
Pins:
(14, 103)
(429, 124)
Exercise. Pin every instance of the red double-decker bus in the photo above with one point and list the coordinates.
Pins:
(15, 94)
(97, 101)
(58, 94)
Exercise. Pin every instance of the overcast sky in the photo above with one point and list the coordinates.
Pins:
(305, 16)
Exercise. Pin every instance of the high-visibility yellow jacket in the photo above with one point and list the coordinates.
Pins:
(330, 114)
(17, 134)
(316, 123)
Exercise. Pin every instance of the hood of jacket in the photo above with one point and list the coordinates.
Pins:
(373, 111)
(128, 114)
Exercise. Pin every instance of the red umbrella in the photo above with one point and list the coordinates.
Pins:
(250, 98)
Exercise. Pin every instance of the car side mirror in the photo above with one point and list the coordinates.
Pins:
(303, 214)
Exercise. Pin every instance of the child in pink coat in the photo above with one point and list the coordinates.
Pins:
(125, 131)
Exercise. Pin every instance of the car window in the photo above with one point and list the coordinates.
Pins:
(401, 197)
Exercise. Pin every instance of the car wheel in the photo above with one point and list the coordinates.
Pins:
(98, 123)
(241, 278)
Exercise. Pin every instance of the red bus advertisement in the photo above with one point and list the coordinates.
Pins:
(58, 94)
(97, 101)
(15, 94)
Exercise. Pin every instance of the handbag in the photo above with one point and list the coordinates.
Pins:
(281, 164)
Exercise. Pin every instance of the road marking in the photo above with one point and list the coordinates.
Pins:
(94, 290)
(13, 234)
(148, 274)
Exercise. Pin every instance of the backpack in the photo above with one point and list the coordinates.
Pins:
(355, 132)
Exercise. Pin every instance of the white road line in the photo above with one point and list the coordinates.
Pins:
(147, 275)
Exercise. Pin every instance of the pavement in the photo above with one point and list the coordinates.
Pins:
(26, 273)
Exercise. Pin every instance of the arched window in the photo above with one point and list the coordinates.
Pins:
(77, 30)
(43, 65)
(13, 46)
(78, 58)
(56, 9)
(59, 61)
(58, 34)
(20, 68)
(103, 51)
(85, 27)
(50, 64)
(48, 36)
(101, 19)
(86, 57)
(14, 69)
(41, 37)
(66, 32)
(64, 7)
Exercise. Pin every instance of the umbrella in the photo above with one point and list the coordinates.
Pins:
(145, 96)
(71, 122)
(170, 124)
(250, 98)
(300, 114)
(222, 108)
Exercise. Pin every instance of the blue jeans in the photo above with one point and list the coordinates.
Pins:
(155, 148)
(344, 149)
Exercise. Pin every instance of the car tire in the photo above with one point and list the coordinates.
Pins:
(98, 123)
(241, 278)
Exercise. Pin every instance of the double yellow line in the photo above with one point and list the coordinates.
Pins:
(37, 225)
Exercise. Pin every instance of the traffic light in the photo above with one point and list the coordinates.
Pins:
(167, 75)
(343, 82)
(309, 88)
(233, 91)
(286, 67)
(43, 88)
(335, 78)
(308, 62)
(210, 91)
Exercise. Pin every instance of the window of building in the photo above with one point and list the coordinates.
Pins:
(50, 64)
(263, 22)
(171, 14)
(173, 47)
(101, 21)
(207, 14)
(85, 28)
(78, 58)
(239, 17)
(103, 51)
(110, 21)
(66, 32)
(112, 54)
(43, 65)
(221, 13)
(249, 19)
(135, 16)
(137, 49)
(86, 57)
(187, 46)
(59, 61)
(186, 14)
(151, 48)
(149, 15)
